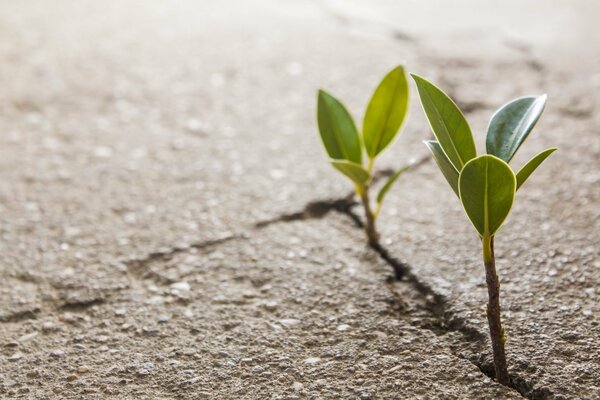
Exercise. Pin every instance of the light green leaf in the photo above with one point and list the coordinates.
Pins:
(447, 123)
(511, 124)
(448, 170)
(388, 184)
(531, 166)
(354, 171)
(487, 188)
(386, 112)
(337, 129)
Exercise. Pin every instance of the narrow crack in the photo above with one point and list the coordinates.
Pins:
(446, 321)
(320, 208)
(139, 267)
(435, 304)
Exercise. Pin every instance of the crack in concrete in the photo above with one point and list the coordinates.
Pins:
(138, 268)
(435, 304)
(319, 208)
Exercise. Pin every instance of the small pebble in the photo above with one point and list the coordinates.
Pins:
(163, 319)
(312, 360)
(49, 327)
(57, 353)
(148, 365)
(83, 369)
(71, 377)
(15, 357)
(181, 286)
(149, 331)
(289, 322)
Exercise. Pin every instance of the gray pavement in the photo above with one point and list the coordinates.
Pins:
(141, 143)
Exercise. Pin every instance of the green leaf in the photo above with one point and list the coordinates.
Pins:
(448, 170)
(388, 184)
(511, 124)
(386, 111)
(487, 188)
(447, 123)
(354, 171)
(337, 129)
(531, 166)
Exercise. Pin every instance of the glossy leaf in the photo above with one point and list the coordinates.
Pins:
(448, 170)
(389, 183)
(354, 171)
(487, 188)
(532, 165)
(386, 112)
(337, 129)
(447, 123)
(511, 124)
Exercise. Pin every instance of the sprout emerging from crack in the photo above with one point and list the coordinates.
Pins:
(383, 118)
(486, 185)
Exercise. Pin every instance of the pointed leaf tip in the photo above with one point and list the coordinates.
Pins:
(447, 122)
(386, 112)
(389, 183)
(336, 127)
(532, 165)
(511, 124)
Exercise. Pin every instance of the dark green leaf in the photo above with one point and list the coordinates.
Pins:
(337, 129)
(447, 123)
(531, 166)
(386, 112)
(354, 171)
(448, 170)
(388, 184)
(487, 188)
(511, 124)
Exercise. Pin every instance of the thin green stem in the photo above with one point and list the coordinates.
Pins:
(370, 165)
(370, 230)
(493, 311)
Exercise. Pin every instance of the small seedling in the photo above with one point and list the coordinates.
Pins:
(383, 118)
(486, 184)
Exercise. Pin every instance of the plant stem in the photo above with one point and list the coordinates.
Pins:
(493, 311)
(370, 229)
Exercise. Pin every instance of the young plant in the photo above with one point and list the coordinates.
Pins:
(486, 184)
(345, 146)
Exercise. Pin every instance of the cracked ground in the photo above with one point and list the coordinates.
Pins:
(171, 229)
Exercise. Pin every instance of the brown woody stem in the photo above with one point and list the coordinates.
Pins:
(493, 311)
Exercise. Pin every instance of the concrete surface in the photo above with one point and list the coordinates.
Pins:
(141, 143)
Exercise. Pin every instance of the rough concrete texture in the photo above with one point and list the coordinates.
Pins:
(141, 143)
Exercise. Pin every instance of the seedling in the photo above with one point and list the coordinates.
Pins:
(486, 184)
(383, 118)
